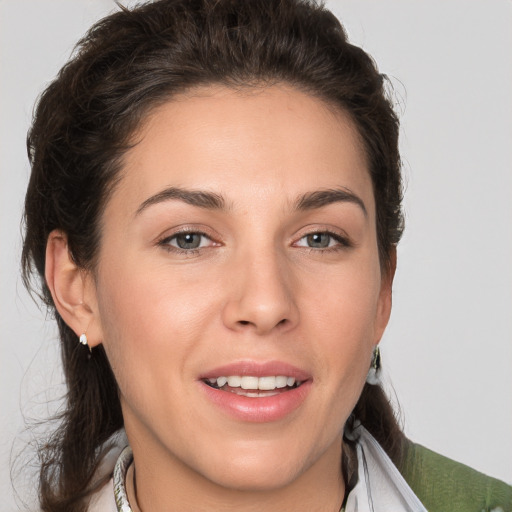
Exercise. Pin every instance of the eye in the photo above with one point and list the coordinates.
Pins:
(322, 240)
(187, 241)
(319, 240)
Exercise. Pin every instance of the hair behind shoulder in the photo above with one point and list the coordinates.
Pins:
(127, 64)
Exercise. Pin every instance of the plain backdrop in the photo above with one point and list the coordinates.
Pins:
(448, 350)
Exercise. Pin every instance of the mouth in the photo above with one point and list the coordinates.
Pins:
(257, 392)
(252, 386)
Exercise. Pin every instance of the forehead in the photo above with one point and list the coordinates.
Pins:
(257, 142)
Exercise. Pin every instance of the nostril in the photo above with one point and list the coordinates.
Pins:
(246, 322)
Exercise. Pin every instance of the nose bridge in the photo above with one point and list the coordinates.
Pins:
(261, 295)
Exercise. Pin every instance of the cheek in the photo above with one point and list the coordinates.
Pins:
(343, 320)
(135, 297)
(346, 302)
(151, 320)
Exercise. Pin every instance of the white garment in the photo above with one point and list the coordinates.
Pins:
(380, 486)
(104, 500)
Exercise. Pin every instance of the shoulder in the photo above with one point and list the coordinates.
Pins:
(445, 485)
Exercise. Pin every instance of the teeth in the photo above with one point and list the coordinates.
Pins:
(281, 382)
(267, 383)
(234, 381)
(248, 382)
(252, 393)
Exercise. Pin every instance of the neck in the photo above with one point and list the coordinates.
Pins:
(159, 484)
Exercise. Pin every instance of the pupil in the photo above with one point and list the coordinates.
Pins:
(318, 240)
(188, 241)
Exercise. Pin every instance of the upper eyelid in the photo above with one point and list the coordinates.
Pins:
(186, 232)
(178, 233)
(180, 230)
(166, 242)
(339, 235)
(336, 233)
(311, 230)
(336, 236)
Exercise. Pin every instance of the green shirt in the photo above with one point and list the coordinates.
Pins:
(444, 485)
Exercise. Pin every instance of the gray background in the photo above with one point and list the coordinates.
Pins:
(448, 349)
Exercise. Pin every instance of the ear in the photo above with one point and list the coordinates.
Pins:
(72, 289)
(385, 296)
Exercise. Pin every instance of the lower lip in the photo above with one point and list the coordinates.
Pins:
(261, 409)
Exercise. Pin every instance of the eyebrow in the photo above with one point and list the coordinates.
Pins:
(320, 198)
(199, 198)
(212, 201)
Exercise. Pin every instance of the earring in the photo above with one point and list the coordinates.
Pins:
(83, 340)
(373, 376)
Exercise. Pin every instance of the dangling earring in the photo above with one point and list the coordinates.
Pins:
(83, 340)
(373, 376)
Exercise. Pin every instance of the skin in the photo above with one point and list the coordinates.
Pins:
(254, 290)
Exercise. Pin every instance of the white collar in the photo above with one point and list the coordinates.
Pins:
(380, 486)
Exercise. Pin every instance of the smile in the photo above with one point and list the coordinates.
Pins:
(252, 386)
(256, 392)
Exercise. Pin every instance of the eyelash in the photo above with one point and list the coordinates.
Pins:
(343, 242)
(166, 242)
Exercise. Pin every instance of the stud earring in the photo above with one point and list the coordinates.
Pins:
(83, 340)
(373, 376)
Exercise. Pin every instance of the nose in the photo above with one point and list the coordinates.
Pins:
(261, 294)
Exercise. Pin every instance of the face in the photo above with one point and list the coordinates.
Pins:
(239, 290)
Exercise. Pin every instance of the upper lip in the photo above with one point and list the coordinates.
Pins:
(256, 369)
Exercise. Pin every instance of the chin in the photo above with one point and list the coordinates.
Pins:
(258, 467)
(254, 478)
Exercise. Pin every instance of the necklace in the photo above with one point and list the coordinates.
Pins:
(134, 478)
(120, 469)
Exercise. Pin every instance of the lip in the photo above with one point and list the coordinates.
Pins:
(257, 369)
(262, 409)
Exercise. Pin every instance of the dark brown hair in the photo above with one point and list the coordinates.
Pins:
(127, 64)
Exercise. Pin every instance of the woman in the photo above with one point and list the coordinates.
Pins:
(214, 209)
